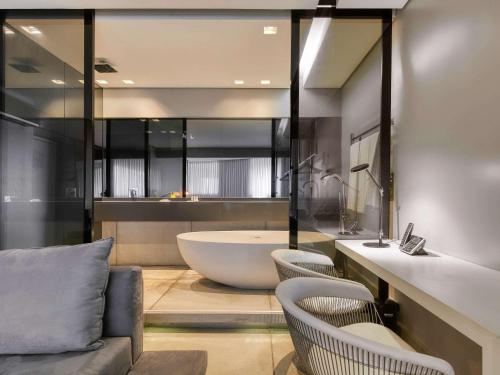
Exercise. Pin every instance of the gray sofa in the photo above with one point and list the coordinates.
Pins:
(122, 336)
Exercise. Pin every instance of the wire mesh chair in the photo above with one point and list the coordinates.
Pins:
(352, 343)
(296, 263)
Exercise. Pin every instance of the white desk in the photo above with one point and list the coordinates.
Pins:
(463, 294)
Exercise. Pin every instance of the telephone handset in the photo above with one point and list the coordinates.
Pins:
(415, 246)
(406, 236)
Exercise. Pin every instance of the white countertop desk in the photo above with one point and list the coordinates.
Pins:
(463, 294)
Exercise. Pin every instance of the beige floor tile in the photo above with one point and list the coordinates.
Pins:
(154, 290)
(228, 352)
(283, 354)
(192, 292)
(163, 273)
(275, 304)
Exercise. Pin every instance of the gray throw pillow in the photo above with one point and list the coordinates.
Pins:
(52, 299)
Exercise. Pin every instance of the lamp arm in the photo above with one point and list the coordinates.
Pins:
(379, 187)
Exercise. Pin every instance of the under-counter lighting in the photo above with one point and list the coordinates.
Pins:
(155, 120)
(8, 31)
(58, 82)
(128, 82)
(31, 30)
(270, 30)
(101, 81)
(265, 82)
(239, 82)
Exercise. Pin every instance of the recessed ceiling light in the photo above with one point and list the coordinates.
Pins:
(270, 30)
(58, 82)
(239, 82)
(81, 81)
(265, 82)
(8, 31)
(128, 82)
(101, 81)
(31, 30)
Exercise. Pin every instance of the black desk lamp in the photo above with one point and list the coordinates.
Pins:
(380, 243)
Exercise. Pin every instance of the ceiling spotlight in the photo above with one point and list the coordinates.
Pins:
(31, 30)
(101, 81)
(128, 82)
(8, 31)
(265, 82)
(270, 30)
(239, 82)
(58, 82)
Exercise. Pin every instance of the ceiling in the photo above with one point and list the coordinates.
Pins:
(194, 4)
(159, 4)
(201, 49)
(345, 45)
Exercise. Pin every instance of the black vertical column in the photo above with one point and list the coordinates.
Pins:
(184, 157)
(146, 158)
(88, 116)
(273, 158)
(385, 117)
(294, 130)
(109, 171)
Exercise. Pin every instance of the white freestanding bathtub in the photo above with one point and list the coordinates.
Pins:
(237, 258)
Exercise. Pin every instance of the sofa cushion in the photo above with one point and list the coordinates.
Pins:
(113, 358)
(52, 299)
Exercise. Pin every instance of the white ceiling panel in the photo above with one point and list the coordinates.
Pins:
(159, 4)
(373, 4)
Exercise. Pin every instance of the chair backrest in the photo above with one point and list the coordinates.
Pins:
(326, 349)
(296, 263)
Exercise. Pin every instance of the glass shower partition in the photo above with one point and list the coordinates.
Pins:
(42, 131)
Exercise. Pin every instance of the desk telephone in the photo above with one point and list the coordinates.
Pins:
(412, 245)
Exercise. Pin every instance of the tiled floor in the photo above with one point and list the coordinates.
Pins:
(249, 352)
(173, 295)
(176, 292)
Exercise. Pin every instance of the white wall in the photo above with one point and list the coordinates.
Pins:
(197, 103)
(447, 144)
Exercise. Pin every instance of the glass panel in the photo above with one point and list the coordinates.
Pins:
(126, 152)
(165, 158)
(99, 145)
(282, 146)
(340, 87)
(42, 133)
(229, 158)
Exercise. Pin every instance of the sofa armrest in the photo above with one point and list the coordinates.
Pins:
(123, 316)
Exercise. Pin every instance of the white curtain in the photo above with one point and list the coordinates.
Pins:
(98, 172)
(203, 178)
(260, 178)
(127, 174)
(230, 178)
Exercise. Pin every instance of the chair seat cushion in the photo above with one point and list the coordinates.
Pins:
(113, 358)
(377, 333)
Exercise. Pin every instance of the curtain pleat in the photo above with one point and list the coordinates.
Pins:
(127, 174)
